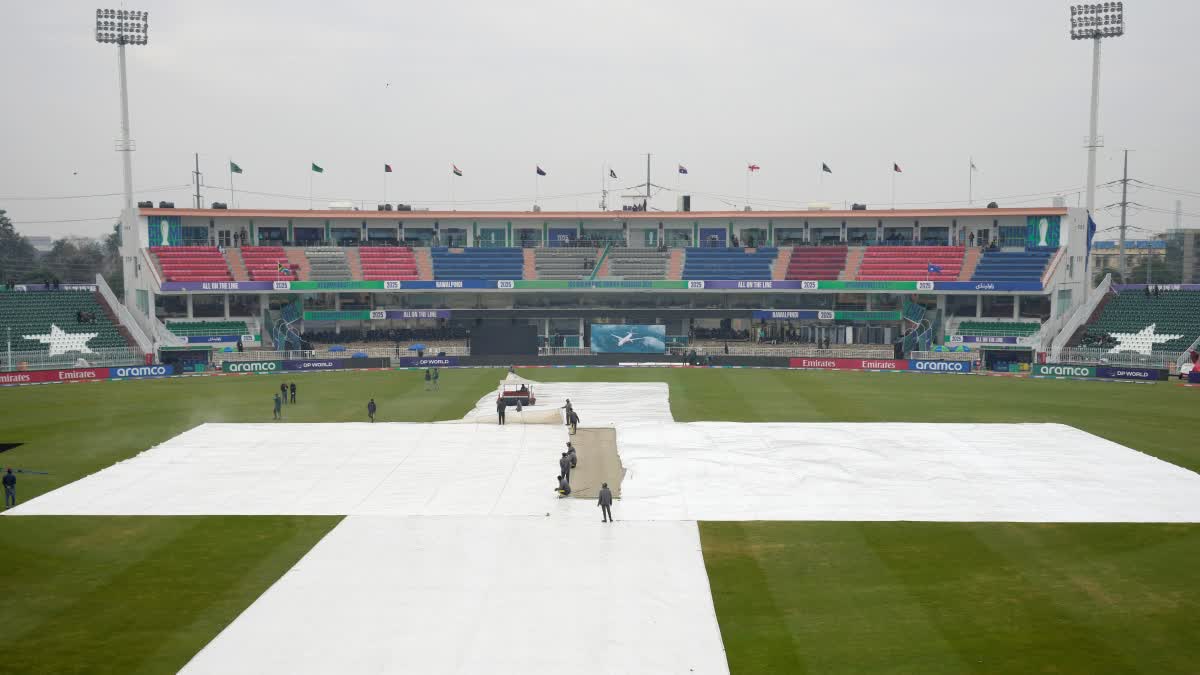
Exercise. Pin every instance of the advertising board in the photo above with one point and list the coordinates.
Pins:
(928, 366)
(848, 364)
(609, 338)
(427, 362)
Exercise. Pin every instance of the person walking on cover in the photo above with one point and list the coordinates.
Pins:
(567, 414)
(573, 420)
(278, 407)
(371, 410)
(292, 390)
(10, 489)
(564, 465)
(500, 406)
(605, 503)
(571, 455)
(436, 375)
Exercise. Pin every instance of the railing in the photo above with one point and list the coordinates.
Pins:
(1082, 313)
(124, 316)
(98, 358)
(944, 356)
(1101, 356)
(324, 353)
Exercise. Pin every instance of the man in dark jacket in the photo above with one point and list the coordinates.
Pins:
(283, 391)
(500, 406)
(371, 410)
(292, 389)
(571, 455)
(10, 489)
(564, 463)
(573, 420)
(278, 407)
(564, 488)
(605, 503)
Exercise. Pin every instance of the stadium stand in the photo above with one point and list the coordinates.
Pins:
(477, 263)
(262, 263)
(41, 313)
(729, 263)
(816, 263)
(1167, 323)
(638, 264)
(199, 328)
(327, 263)
(388, 263)
(565, 263)
(1015, 266)
(192, 263)
(900, 263)
(1013, 328)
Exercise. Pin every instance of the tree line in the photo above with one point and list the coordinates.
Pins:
(70, 260)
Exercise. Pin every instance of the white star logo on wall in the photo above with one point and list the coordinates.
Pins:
(61, 342)
(1141, 342)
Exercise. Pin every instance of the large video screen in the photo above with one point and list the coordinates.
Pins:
(504, 340)
(609, 338)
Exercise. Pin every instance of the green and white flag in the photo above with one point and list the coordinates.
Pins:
(234, 168)
(317, 169)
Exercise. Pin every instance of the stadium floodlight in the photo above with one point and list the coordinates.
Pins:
(1096, 21)
(124, 27)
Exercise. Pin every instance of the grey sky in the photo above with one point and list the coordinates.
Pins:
(573, 85)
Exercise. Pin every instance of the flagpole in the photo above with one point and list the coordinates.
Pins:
(747, 186)
(232, 201)
(893, 188)
(310, 173)
(385, 177)
(970, 181)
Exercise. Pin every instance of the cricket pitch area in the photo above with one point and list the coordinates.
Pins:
(457, 556)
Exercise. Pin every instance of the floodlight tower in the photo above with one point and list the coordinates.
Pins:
(1096, 21)
(124, 27)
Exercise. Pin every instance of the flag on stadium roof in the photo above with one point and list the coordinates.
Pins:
(541, 171)
(234, 168)
(457, 171)
(683, 169)
(387, 168)
(612, 174)
(753, 167)
(825, 168)
(973, 167)
(896, 168)
(317, 169)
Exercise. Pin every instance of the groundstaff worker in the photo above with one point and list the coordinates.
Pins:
(605, 503)
(500, 406)
(10, 489)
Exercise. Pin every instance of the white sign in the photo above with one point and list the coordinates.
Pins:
(695, 284)
(825, 315)
(505, 284)
(378, 314)
(924, 285)
(392, 285)
(282, 285)
(808, 285)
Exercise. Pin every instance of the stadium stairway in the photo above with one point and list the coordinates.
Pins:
(780, 269)
(529, 264)
(237, 266)
(424, 264)
(970, 262)
(605, 267)
(854, 256)
(675, 269)
(354, 262)
(1076, 338)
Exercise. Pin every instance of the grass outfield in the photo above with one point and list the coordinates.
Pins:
(143, 594)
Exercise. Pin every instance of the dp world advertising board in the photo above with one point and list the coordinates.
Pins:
(618, 338)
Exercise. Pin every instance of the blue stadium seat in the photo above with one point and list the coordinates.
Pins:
(729, 263)
(1014, 266)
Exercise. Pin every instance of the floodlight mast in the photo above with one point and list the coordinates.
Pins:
(124, 27)
(1096, 21)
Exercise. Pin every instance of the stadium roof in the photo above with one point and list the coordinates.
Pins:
(620, 215)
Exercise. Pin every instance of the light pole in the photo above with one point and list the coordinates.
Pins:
(1096, 21)
(124, 27)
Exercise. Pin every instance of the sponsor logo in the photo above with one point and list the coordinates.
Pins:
(282, 285)
(252, 367)
(1066, 371)
(924, 285)
(15, 378)
(985, 287)
(817, 363)
(78, 374)
(941, 366)
(447, 284)
(378, 314)
(809, 285)
(825, 315)
(508, 284)
(141, 371)
(695, 285)
(879, 365)
(392, 285)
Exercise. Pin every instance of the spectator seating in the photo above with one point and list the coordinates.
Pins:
(1138, 322)
(262, 263)
(817, 263)
(638, 264)
(388, 263)
(327, 263)
(1005, 328)
(908, 263)
(190, 328)
(192, 263)
(41, 312)
(729, 263)
(477, 263)
(565, 263)
(1013, 266)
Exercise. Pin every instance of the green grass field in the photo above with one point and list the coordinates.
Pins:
(144, 594)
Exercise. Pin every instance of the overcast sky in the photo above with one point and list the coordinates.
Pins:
(576, 86)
